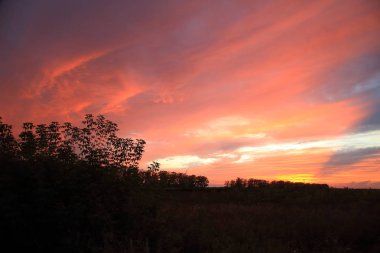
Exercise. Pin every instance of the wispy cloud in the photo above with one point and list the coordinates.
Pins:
(342, 160)
(184, 162)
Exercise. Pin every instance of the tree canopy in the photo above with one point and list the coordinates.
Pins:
(95, 143)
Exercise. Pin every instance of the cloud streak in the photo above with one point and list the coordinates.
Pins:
(343, 159)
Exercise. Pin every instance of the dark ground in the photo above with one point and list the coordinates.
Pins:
(90, 209)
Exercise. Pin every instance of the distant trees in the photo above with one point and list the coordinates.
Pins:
(251, 183)
(181, 180)
(8, 143)
(172, 180)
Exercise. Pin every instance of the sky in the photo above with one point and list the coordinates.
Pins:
(276, 90)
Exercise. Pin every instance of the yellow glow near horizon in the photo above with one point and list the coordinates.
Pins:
(302, 178)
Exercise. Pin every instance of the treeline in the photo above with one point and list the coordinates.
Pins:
(251, 183)
(173, 180)
(95, 144)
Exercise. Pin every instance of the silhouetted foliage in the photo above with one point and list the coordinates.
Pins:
(65, 188)
(96, 143)
(8, 145)
(251, 183)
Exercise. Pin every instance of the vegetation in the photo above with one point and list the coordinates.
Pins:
(79, 189)
(251, 183)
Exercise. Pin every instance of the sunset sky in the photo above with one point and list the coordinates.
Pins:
(276, 90)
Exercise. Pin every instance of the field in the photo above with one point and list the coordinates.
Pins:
(90, 209)
(225, 220)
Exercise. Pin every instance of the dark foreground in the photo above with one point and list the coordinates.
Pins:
(103, 215)
(70, 189)
(332, 220)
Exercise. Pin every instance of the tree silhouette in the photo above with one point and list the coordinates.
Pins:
(201, 182)
(66, 188)
(8, 144)
(95, 143)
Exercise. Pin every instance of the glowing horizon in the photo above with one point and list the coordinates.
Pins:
(276, 91)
